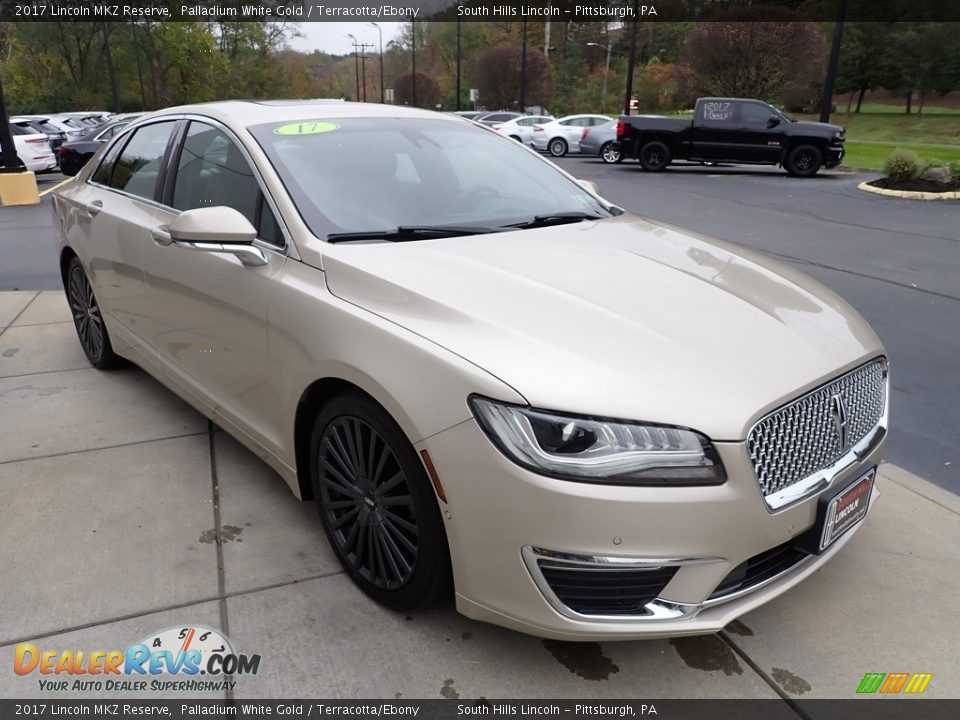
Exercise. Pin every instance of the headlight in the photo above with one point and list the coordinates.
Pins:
(598, 450)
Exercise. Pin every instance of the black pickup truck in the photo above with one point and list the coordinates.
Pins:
(732, 130)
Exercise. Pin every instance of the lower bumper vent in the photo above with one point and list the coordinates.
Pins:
(605, 591)
(760, 568)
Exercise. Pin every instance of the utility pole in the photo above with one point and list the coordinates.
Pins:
(363, 66)
(826, 100)
(523, 70)
(458, 58)
(11, 161)
(633, 58)
(413, 58)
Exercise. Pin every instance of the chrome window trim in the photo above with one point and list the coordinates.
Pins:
(822, 479)
(288, 249)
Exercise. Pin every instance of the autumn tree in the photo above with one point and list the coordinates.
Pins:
(761, 52)
(428, 92)
(498, 78)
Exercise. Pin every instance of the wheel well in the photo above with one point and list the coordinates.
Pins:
(318, 394)
(66, 255)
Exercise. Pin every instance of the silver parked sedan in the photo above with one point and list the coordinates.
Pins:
(490, 380)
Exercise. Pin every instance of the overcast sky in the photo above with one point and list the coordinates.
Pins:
(331, 37)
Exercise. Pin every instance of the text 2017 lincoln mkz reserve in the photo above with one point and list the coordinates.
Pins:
(493, 382)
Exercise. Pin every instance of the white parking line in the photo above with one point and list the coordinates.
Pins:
(51, 189)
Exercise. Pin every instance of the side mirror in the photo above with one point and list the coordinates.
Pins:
(773, 121)
(212, 229)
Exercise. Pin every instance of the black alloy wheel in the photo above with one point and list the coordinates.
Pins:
(88, 319)
(376, 504)
(654, 156)
(803, 161)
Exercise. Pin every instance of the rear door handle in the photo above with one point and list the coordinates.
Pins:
(93, 208)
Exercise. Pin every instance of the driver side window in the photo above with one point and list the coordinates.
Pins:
(212, 171)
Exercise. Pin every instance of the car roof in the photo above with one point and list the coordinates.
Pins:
(246, 113)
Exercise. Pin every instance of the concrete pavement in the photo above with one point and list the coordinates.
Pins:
(124, 512)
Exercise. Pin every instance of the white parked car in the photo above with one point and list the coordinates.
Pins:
(492, 381)
(558, 137)
(74, 130)
(521, 128)
(33, 148)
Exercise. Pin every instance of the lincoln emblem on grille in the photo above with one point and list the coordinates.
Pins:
(839, 412)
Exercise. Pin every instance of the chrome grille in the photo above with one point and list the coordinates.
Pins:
(802, 438)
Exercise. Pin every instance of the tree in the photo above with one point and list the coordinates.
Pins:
(764, 52)
(498, 78)
(861, 58)
(428, 92)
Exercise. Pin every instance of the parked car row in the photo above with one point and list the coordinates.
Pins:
(39, 138)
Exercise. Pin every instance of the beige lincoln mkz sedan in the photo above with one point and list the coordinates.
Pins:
(492, 381)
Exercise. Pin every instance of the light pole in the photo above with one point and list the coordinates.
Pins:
(458, 58)
(413, 59)
(523, 70)
(606, 73)
(356, 62)
(380, 30)
(628, 95)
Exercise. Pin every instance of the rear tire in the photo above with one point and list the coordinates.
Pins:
(558, 147)
(654, 156)
(610, 154)
(803, 161)
(516, 137)
(377, 506)
(88, 318)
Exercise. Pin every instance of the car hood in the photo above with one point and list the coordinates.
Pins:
(827, 129)
(619, 318)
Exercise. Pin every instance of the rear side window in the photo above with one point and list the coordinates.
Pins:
(717, 111)
(138, 167)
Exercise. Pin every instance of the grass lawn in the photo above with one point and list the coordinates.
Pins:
(872, 136)
(871, 156)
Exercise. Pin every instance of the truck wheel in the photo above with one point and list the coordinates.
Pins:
(654, 156)
(610, 154)
(803, 161)
(558, 147)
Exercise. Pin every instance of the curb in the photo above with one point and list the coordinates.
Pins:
(910, 194)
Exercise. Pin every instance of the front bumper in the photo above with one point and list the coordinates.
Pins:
(499, 512)
(833, 156)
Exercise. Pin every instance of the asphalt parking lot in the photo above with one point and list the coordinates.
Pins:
(125, 512)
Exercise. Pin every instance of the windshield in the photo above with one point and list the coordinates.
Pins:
(357, 175)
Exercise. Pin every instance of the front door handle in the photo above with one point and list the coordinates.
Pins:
(93, 208)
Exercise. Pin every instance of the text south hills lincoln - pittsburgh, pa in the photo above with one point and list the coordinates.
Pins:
(544, 9)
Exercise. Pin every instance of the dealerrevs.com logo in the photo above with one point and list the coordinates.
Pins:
(180, 659)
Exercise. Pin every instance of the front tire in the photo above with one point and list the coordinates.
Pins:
(610, 154)
(654, 156)
(558, 147)
(803, 161)
(88, 318)
(377, 505)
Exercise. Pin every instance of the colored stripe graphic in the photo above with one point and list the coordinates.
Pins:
(894, 682)
(870, 683)
(918, 682)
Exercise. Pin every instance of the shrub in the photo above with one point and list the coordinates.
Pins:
(955, 170)
(902, 165)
